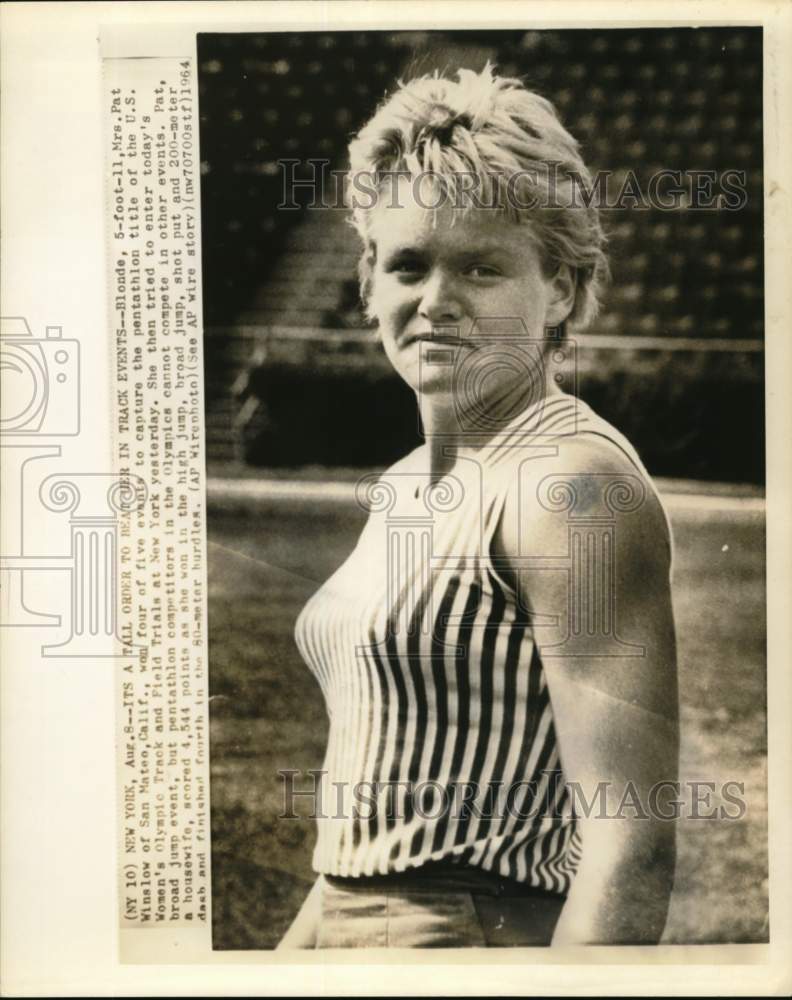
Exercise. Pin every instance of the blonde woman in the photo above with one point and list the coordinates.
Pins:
(498, 652)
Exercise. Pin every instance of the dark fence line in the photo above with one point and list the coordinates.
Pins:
(587, 341)
(281, 397)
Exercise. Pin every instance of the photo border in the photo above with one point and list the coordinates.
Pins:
(71, 947)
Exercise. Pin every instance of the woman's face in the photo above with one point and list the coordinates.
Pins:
(442, 291)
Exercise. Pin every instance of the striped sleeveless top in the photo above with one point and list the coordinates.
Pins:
(442, 744)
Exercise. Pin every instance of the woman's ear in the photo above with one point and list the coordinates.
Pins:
(563, 288)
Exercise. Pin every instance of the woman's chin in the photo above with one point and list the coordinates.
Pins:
(426, 381)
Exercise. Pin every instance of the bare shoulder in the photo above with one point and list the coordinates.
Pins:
(584, 540)
(586, 478)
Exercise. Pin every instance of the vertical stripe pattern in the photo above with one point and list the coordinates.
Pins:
(434, 684)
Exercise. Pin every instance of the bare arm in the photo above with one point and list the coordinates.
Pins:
(303, 931)
(616, 715)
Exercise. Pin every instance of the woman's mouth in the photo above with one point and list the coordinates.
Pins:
(444, 338)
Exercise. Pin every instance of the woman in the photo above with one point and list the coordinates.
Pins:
(498, 653)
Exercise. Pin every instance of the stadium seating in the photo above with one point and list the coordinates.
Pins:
(637, 100)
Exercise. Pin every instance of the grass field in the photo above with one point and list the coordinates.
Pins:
(267, 714)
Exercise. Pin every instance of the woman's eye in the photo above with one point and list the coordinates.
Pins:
(483, 271)
(405, 266)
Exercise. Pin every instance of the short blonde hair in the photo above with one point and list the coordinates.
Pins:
(510, 140)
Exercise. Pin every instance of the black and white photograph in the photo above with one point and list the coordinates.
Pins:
(485, 438)
(395, 498)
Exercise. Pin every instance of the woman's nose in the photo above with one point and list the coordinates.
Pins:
(439, 301)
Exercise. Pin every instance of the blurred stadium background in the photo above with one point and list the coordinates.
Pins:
(675, 361)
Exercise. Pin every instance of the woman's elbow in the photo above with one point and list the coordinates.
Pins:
(648, 867)
(637, 852)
